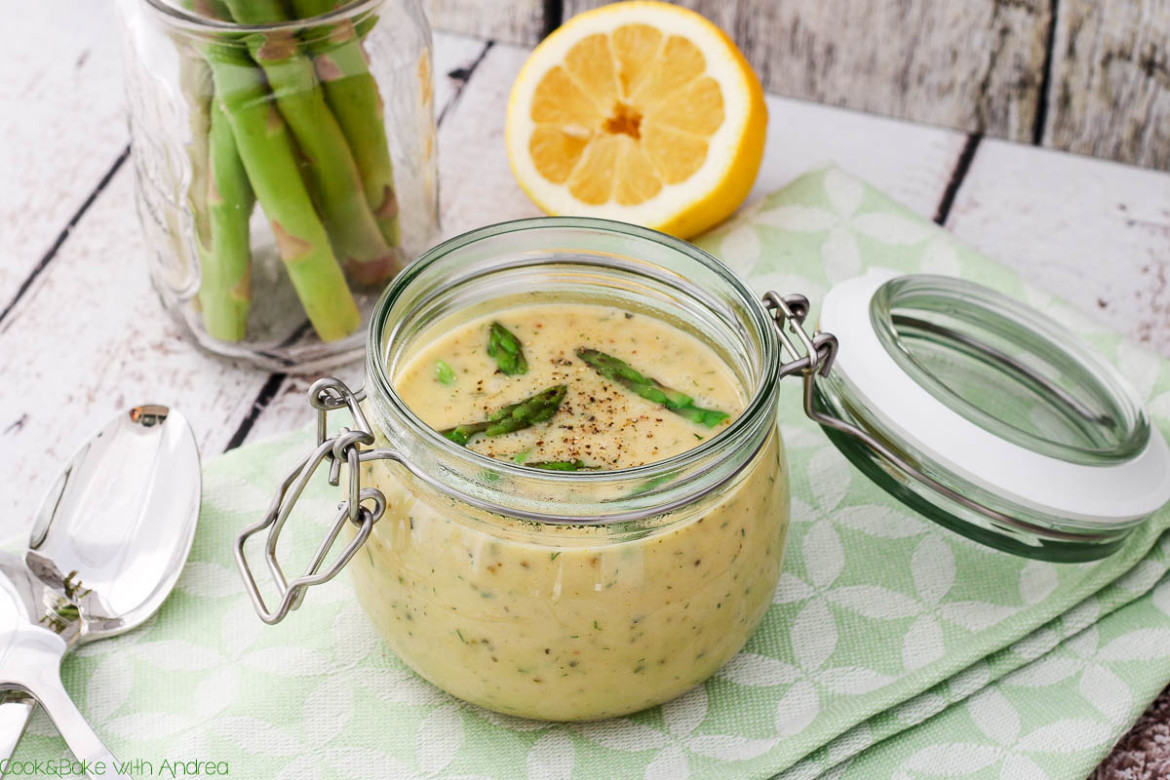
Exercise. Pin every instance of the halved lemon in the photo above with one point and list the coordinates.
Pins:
(638, 111)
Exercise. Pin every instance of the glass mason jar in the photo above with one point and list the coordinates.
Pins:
(569, 595)
(285, 162)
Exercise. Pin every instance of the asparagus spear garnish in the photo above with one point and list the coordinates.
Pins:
(330, 169)
(562, 465)
(352, 94)
(225, 289)
(651, 389)
(507, 350)
(266, 149)
(513, 417)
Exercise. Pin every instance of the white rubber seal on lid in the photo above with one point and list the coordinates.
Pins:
(1113, 494)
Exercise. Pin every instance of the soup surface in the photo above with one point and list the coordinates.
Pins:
(600, 422)
(571, 622)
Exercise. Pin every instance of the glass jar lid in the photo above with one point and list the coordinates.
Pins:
(986, 416)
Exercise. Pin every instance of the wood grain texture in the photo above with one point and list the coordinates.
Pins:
(510, 21)
(1110, 87)
(475, 179)
(62, 121)
(1094, 233)
(90, 345)
(975, 65)
(913, 163)
(455, 56)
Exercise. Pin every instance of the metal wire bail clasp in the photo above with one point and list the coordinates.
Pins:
(362, 507)
(813, 358)
(815, 353)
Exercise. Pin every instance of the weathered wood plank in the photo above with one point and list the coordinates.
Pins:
(510, 21)
(475, 181)
(61, 120)
(976, 65)
(455, 56)
(1110, 87)
(913, 163)
(1092, 232)
(89, 341)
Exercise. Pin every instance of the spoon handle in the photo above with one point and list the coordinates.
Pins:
(86, 746)
(30, 661)
(15, 710)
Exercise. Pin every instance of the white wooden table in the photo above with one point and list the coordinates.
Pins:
(82, 334)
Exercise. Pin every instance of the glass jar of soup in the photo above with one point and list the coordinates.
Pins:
(583, 594)
(567, 595)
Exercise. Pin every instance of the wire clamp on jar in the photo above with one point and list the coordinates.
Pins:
(362, 506)
(789, 313)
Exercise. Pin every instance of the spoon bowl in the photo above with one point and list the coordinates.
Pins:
(115, 530)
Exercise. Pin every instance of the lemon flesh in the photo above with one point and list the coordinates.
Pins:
(641, 111)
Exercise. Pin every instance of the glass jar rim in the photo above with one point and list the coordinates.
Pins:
(1115, 405)
(760, 404)
(190, 21)
(1028, 496)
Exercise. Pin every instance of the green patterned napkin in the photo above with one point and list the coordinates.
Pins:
(894, 648)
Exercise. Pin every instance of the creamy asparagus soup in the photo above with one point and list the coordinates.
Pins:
(571, 622)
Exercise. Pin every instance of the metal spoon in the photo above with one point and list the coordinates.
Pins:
(108, 545)
(30, 662)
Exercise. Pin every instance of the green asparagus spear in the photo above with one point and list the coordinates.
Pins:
(507, 350)
(220, 200)
(270, 159)
(562, 465)
(225, 290)
(352, 94)
(195, 80)
(330, 168)
(651, 389)
(513, 417)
